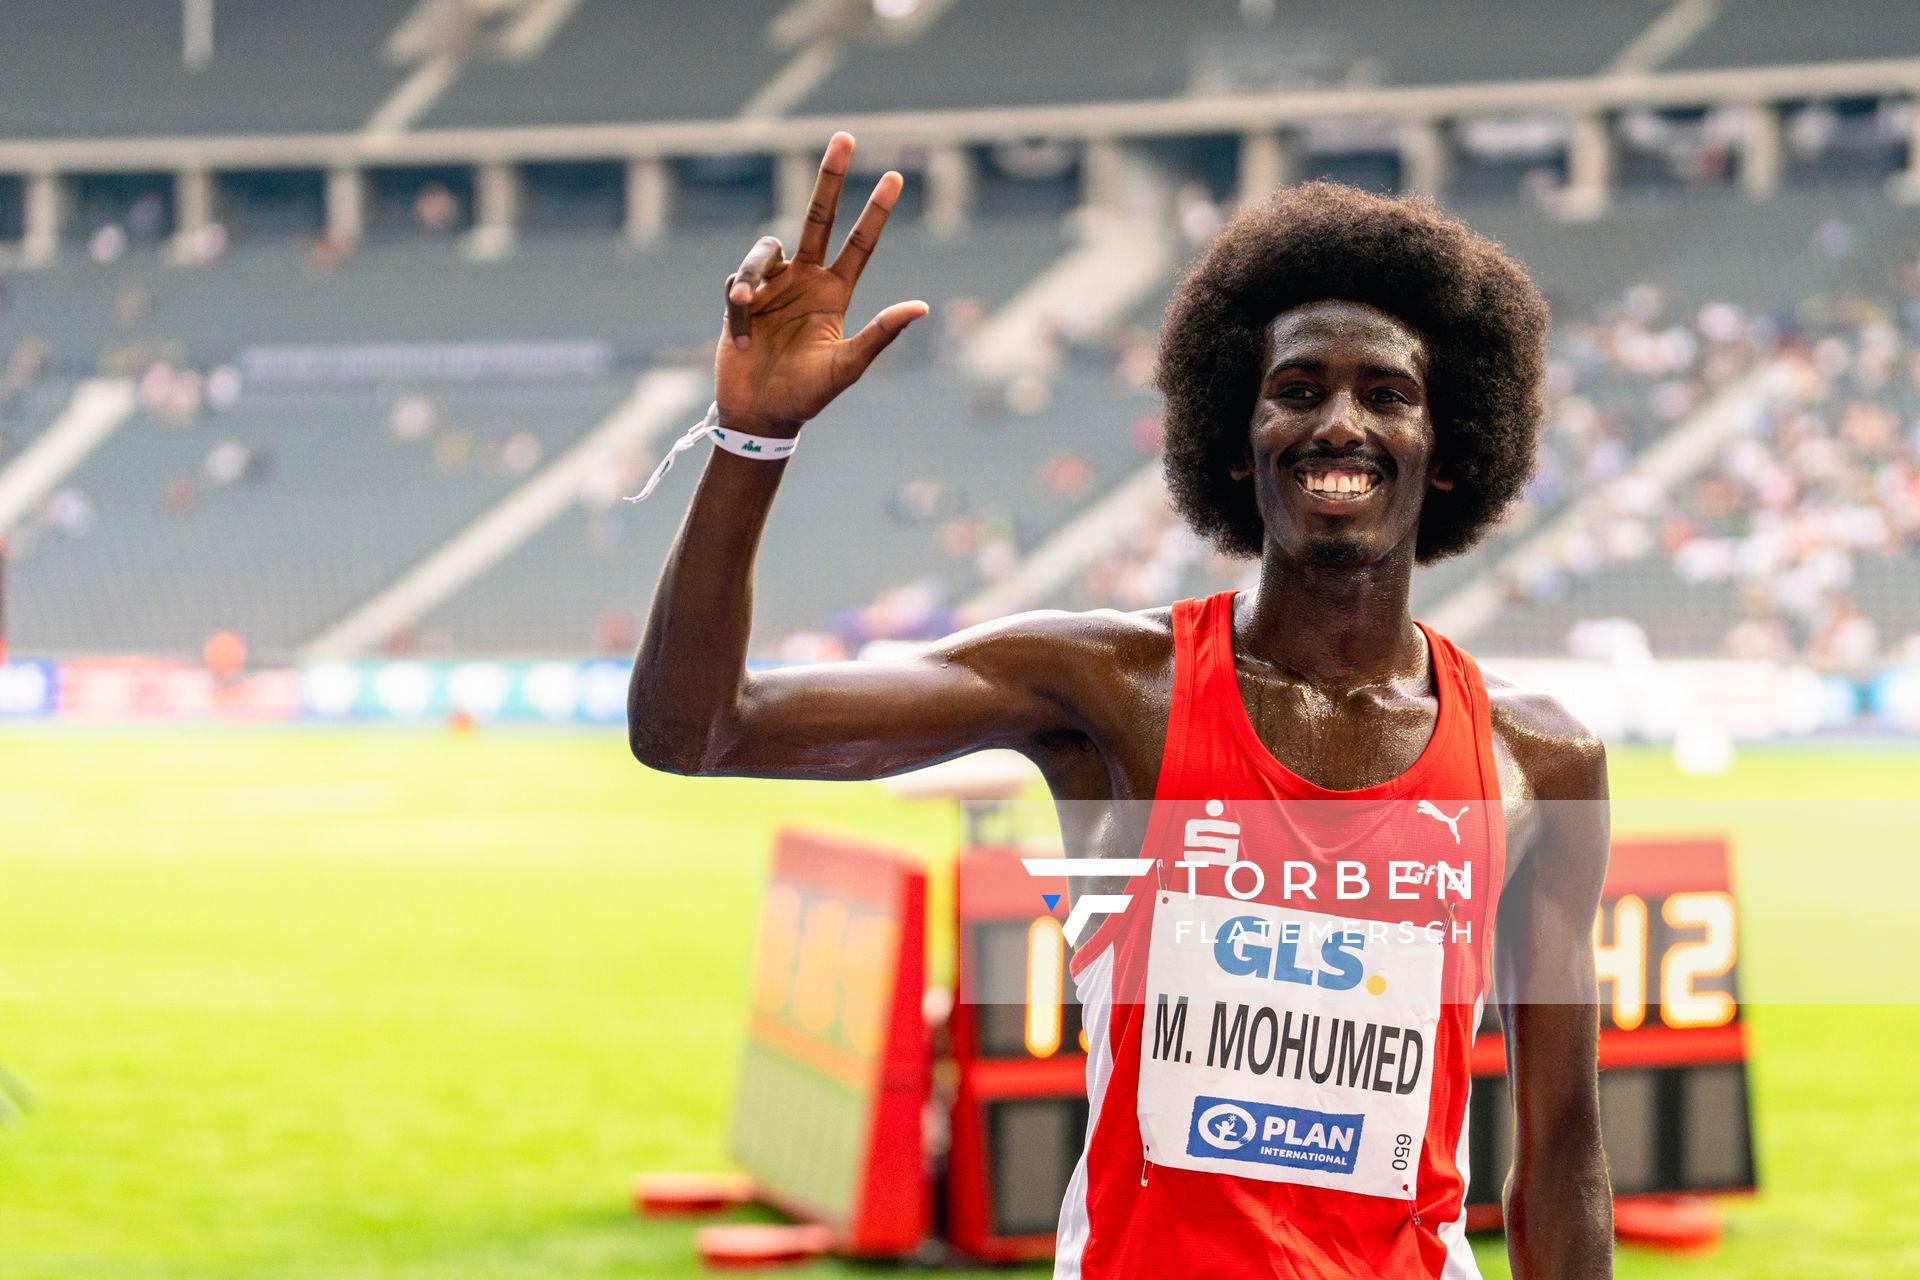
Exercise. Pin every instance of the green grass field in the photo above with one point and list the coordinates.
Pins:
(408, 1005)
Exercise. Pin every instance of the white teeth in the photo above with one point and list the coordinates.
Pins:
(1338, 483)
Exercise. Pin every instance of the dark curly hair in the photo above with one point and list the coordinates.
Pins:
(1484, 323)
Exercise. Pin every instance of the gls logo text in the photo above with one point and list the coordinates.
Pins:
(1249, 947)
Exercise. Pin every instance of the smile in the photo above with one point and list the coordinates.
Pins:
(1336, 483)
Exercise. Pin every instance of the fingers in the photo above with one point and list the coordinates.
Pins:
(826, 198)
(866, 231)
(865, 346)
(763, 262)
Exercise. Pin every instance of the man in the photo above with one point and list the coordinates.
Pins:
(1278, 1069)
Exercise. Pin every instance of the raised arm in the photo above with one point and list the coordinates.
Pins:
(692, 706)
(1559, 1204)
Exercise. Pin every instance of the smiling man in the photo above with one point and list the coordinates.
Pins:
(1280, 1018)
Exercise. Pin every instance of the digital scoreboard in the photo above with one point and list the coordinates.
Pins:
(1674, 1109)
(828, 1119)
(1020, 1096)
(836, 1068)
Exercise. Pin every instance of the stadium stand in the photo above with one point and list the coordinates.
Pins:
(937, 520)
(273, 517)
(103, 68)
(28, 403)
(1628, 360)
(912, 489)
(1757, 32)
(322, 351)
(279, 327)
(1135, 49)
(1801, 537)
(421, 289)
(620, 60)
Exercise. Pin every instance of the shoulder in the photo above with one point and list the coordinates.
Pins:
(1101, 665)
(1560, 756)
(1051, 636)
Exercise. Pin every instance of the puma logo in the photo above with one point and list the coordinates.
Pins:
(1432, 810)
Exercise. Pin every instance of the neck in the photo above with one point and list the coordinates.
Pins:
(1345, 624)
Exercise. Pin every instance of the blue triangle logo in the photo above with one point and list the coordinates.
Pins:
(1051, 899)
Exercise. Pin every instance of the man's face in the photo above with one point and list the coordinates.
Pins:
(1341, 442)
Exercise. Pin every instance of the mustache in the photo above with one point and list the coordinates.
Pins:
(1362, 459)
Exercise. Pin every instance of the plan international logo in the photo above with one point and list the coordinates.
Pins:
(1214, 841)
(1265, 1133)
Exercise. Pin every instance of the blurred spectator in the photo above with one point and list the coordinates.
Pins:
(520, 453)
(921, 500)
(1197, 213)
(436, 209)
(24, 367)
(1846, 637)
(206, 244)
(146, 219)
(1614, 640)
(958, 321)
(614, 633)
(607, 528)
(107, 243)
(328, 252)
(223, 387)
(68, 511)
(231, 462)
(453, 450)
(1029, 394)
(1148, 435)
(1067, 475)
(225, 654)
(413, 418)
(1758, 635)
(811, 646)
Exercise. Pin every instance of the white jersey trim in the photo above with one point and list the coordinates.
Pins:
(1094, 987)
(1461, 1264)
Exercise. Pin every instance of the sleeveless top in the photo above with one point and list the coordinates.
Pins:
(1278, 1052)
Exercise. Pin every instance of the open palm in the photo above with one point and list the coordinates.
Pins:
(782, 356)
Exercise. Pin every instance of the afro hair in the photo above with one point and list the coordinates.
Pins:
(1484, 323)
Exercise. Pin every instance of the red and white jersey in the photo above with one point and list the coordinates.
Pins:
(1279, 1020)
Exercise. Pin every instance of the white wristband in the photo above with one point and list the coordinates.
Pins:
(759, 448)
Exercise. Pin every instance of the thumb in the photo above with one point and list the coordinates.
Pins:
(864, 346)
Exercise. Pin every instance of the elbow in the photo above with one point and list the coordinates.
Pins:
(665, 747)
(659, 742)
(661, 734)
(665, 754)
(689, 735)
(688, 750)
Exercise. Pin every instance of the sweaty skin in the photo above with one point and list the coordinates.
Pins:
(1335, 676)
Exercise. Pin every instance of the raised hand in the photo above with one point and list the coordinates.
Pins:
(782, 358)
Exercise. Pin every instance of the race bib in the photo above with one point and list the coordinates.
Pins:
(1286, 1045)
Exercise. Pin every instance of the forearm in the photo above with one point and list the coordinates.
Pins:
(1559, 1206)
(691, 666)
(781, 359)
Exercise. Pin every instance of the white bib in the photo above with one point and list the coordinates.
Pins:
(1286, 1045)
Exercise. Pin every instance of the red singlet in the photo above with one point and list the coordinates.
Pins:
(1278, 1054)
